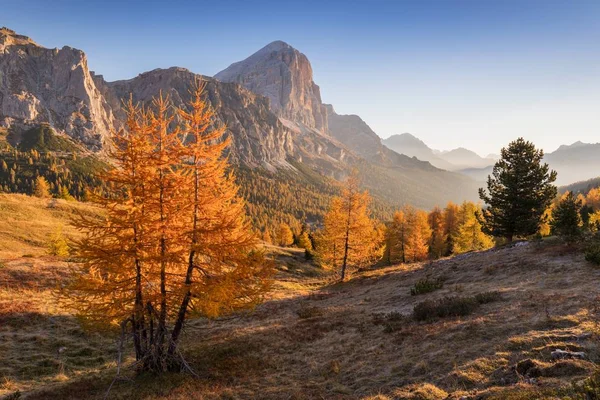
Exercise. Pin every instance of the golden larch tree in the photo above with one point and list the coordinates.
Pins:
(437, 242)
(175, 242)
(419, 234)
(349, 238)
(286, 236)
(592, 199)
(450, 226)
(470, 236)
(41, 188)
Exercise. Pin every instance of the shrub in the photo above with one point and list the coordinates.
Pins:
(488, 297)
(425, 286)
(592, 252)
(58, 245)
(309, 312)
(452, 306)
(391, 322)
(445, 307)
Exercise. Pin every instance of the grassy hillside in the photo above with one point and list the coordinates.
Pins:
(508, 310)
(29, 222)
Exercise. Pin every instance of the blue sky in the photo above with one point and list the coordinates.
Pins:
(475, 74)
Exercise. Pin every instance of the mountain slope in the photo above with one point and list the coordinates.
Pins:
(413, 147)
(283, 74)
(274, 132)
(576, 162)
(462, 158)
(312, 339)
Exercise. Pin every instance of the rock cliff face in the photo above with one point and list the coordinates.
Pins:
(283, 75)
(270, 104)
(39, 85)
(259, 138)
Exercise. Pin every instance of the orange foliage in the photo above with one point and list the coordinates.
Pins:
(175, 242)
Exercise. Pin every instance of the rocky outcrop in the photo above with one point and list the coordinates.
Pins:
(259, 138)
(283, 75)
(39, 85)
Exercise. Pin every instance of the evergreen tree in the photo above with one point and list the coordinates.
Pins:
(518, 192)
(566, 218)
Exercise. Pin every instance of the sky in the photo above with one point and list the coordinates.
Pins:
(462, 73)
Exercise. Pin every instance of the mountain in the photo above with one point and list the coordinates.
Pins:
(286, 142)
(454, 160)
(54, 86)
(462, 158)
(414, 147)
(283, 75)
(576, 162)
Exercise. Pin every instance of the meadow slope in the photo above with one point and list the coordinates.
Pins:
(317, 339)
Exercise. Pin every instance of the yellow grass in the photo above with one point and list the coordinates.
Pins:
(318, 339)
(27, 223)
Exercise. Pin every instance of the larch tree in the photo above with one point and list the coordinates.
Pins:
(437, 242)
(286, 236)
(518, 192)
(592, 199)
(41, 188)
(418, 236)
(450, 227)
(175, 242)
(409, 235)
(349, 238)
(470, 237)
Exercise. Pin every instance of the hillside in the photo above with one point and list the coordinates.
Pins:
(314, 339)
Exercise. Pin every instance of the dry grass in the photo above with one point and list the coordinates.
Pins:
(314, 339)
(27, 223)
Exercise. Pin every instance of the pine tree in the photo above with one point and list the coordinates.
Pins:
(349, 238)
(470, 236)
(518, 192)
(41, 188)
(175, 242)
(594, 221)
(566, 218)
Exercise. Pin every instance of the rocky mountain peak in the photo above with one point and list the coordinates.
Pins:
(283, 75)
(51, 86)
(8, 37)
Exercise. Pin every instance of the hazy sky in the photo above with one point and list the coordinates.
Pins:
(454, 73)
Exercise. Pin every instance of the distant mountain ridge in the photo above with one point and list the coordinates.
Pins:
(453, 160)
(271, 106)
